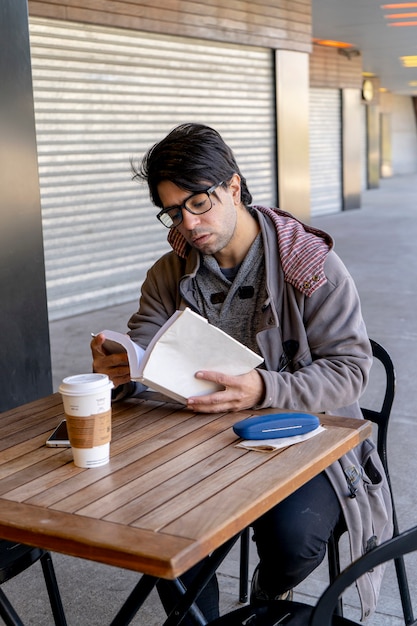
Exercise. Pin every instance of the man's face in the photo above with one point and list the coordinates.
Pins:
(209, 232)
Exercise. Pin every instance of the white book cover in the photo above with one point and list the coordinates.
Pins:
(185, 344)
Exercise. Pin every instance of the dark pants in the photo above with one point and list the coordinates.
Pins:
(292, 537)
(208, 601)
(291, 540)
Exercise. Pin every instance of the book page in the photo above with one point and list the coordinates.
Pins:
(120, 342)
(188, 345)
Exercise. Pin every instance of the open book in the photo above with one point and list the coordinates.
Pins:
(185, 344)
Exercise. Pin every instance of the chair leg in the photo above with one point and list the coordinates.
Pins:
(8, 613)
(404, 591)
(401, 573)
(53, 591)
(334, 568)
(244, 566)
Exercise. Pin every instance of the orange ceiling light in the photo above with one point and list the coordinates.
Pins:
(400, 5)
(332, 44)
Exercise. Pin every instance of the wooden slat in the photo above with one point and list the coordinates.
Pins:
(147, 482)
(173, 498)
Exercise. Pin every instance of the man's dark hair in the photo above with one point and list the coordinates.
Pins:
(191, 156)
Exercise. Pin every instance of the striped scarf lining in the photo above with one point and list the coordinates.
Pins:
(302, 249)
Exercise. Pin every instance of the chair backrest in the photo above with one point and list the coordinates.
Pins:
(381, 417)
(393, 548)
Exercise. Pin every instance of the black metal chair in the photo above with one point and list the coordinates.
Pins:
(381, 419)
(323, 614)
(14, 559)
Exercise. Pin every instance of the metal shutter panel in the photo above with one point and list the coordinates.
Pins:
(104, 95)
(325, 151)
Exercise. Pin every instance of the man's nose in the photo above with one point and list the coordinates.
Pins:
(189, 220)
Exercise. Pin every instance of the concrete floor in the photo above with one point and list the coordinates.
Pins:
(378, 245)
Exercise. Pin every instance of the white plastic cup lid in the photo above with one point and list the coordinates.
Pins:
(81, 384)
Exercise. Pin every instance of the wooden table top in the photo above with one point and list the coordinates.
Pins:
(175, 489)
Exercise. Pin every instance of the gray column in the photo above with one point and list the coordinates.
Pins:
(292, 97)
(373, 139)
(25, 364)
(351, 148)
(386, 145)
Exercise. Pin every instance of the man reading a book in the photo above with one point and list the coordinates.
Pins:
(276, 285)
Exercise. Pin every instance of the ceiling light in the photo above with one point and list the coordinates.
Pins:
(400, 5)
(409, 61)
(332, 44)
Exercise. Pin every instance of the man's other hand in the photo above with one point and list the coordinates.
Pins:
(116, 365)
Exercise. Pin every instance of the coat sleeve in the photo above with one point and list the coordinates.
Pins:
(330, 370)
(158, 300)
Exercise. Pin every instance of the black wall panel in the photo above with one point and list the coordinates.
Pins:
(25, 364)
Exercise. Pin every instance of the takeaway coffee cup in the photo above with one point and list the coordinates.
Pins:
(87, 407)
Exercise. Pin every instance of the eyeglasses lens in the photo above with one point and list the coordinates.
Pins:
(197, 204)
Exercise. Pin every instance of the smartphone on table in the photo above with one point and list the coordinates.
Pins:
(59, 437)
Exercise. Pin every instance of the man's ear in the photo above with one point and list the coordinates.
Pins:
(234, 186)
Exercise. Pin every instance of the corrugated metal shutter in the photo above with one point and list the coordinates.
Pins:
(325, 151)
(104, 95)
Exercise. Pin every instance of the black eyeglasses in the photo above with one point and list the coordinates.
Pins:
(197, 204)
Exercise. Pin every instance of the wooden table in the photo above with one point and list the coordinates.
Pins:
(176, 487)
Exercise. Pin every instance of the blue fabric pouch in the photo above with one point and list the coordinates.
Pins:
(275, 425)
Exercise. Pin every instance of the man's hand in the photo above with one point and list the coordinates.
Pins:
(240, 392)
(116, 366)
